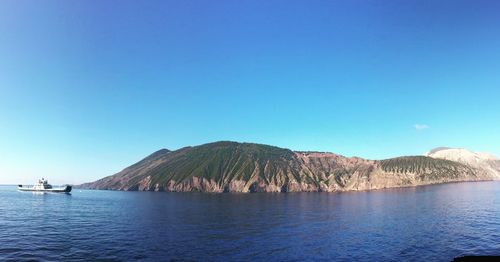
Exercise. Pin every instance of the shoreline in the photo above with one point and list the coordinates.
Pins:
(277, 192)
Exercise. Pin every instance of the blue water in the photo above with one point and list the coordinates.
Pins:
(423, 223)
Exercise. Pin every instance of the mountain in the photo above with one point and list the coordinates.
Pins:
(246, 167)
(485, 161)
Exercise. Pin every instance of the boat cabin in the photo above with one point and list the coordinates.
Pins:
(42, 184)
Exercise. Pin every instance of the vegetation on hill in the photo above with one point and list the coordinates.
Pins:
(246, 167)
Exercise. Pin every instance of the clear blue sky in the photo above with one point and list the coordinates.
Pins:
(89, 87)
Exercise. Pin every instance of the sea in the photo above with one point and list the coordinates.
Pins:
(426, 223)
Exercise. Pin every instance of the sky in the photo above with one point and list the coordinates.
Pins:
(88, 88)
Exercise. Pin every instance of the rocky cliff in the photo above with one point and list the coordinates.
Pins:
(246, 167)
(484, 161)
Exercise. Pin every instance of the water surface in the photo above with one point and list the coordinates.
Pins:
(422, 223)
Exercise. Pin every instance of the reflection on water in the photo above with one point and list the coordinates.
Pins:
(432, 222)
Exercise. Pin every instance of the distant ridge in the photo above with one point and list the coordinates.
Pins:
(483, 161)
(228, 166)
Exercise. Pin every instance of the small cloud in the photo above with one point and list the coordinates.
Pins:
(420, 127)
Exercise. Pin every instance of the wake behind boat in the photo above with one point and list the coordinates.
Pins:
(43, 186)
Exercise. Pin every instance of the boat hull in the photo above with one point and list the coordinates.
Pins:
(65, 189)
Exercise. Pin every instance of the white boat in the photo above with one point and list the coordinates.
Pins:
(44, 186)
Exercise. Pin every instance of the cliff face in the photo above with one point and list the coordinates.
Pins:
(244, 167)
(483, 161)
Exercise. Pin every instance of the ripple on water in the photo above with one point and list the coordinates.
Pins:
(429, 223)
